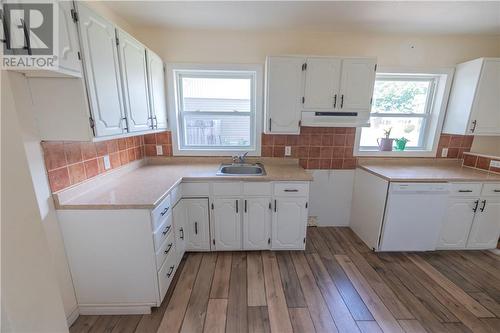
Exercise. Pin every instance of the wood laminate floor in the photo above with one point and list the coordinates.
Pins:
(336, 285)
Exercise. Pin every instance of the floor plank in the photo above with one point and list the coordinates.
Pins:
(220, 284)
(487, 302)
(369, 326)
(301, 320)
(279, 319)
(83, 324)
(258, 319)
(215, 320)
(237, 320)
(412, 326)
(255, 276)
(291, 286)
(127, 324)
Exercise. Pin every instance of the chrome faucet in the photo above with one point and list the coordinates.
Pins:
(241, 159)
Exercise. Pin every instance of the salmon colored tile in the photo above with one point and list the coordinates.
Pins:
(130, 141)
(338, 152)
(101, 148)
(350, 130)
(59, 179)
(279, 151)
(303, 152)
(138, 153)
(348, 152)
(73, 152)
(470, 160)
(167, 150)
(349, 163)
(163, 138)
(467, 141)
(150, 150)
(54, 155)
(137, 140)
(295, 152)
(267, 140)
(452, 153)
(304, 140)
(444, 140)
(122, 144)
(100, 164)
(339, 140)
(326, 152)
(292, 140)
(303, 163)
(112, 146)
(456, 141)
(88, 150)
(337, 163)
(316, 140)
(123, 157)
(483, 163)
(314, 152)
(308, 130)
(313, 164)
(340, 130)
(131, 154)
(266, 151)
(327, 140)
(349, 139)
(76, 173)
(150, 139)
(114, 159)
(91, 168)
(279, 140)
(325, 163)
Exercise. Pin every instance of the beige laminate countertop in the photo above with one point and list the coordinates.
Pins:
(144, 186)
(428, 172)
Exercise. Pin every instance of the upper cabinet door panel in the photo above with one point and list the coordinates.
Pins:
(284, 94)
(156, 77)
(102, 71)
(135, 82)
(68, 40)
(486, 109)
(356, 85)
(321, 85)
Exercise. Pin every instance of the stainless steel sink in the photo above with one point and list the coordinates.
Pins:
(245, 169)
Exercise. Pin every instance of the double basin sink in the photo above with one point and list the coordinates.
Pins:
(243, 169)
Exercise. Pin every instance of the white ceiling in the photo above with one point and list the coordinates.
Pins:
(426, 17)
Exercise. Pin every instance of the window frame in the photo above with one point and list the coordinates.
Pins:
(437, 100)
(175, 72)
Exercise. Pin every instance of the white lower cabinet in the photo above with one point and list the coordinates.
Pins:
(486, 227)
(457, 223)
(289, 223)
(227, 223)
(179, 216)
(257, 223)
(197, 224)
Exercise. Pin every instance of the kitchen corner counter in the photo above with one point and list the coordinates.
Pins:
(440, 171)
(144, 184)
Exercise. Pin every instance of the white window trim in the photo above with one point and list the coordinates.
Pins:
(171, 72)
(438, 110)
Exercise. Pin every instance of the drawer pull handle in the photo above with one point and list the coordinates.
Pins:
(464, 191)
(496, 191)
(168, 248)
(275, 206)
(196, 228)
(484, 206)
(166, 230)
(291, 190)
(476, 203)
(164, 211)
(182, 233)
(170, 271)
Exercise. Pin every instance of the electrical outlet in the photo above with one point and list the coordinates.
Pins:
(107, 163)
(159, 150)
(444, 152)
(288, 150)
(494, 164)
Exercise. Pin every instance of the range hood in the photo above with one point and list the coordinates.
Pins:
(335, 119)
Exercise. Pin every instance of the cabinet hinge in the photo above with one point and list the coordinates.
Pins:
(303, 99)
(79, 56)
(213, 241)
(307, 204)
(117, 41)
(270, 124)
(304, 66)
(300, 123)
(92, 124)
(270, 206)
(304, 240)
(212, 205)
(74, 15)
(375, 67)
(371, 100)
(269, 241)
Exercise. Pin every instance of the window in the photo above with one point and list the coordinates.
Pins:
(410, 106)
(216, 111)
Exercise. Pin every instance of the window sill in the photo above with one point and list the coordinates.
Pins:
(406, 153)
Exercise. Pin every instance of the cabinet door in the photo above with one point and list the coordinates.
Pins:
(486, 227)
(356, 85)
(283, 94)
(457, 223)
(156, 77)
(487, 100)
(289, 223)
(197, 225)
(256, 223)
(135, 82)
(179, 216)
(321, 85)
(227, 224)
(102, 72)
(68, 59)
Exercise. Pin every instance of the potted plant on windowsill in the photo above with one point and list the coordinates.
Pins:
(386, 143)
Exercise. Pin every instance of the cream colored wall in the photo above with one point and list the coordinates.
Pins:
(489, 145)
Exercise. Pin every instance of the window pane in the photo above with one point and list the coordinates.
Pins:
(216, 94)
(410, 128)
(399, 96)
(217, 131)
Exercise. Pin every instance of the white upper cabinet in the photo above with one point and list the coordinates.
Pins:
(322, 83)
(135, 82)
(156, 76)
(284, 76)
(474, 104)
(356, 85)
(102, 71)
(69, 48)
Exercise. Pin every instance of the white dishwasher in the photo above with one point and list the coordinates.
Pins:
(413, 216)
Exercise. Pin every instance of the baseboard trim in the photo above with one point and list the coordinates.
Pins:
(73, 316)
(115, 310)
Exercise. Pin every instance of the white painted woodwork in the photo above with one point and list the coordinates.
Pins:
(258, 188)
(157, 98)
(256, 223)
(195, 189)
(227, 223)
(283, 98)
(161, 211)
(475, 98)
(485, 230)
(289, 223)
(322, 83)
(167, 271)
(102, 71)
(457, 223)
(226, 188)
(356, 84)
(163, 230)
(491, 189)
(69, 47)
(134, 74)
(179, 216)
(465, 189)
(197, 225)
(291, 189)
(165, 249)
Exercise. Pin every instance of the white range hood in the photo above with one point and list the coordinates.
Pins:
(335, 119)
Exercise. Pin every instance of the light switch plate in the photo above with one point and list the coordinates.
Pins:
(159, 150)
(494, 164)
(288, 150)
(444, 152)
(107, 163)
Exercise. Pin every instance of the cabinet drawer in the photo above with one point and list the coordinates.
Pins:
(166, 248)
(491, 189)
(195, 189)
(226, 189)
(175, 195)
(161, 233)
(160, 212)
(465, 189)
(167, 271)
(291, 189)
(257, 188)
